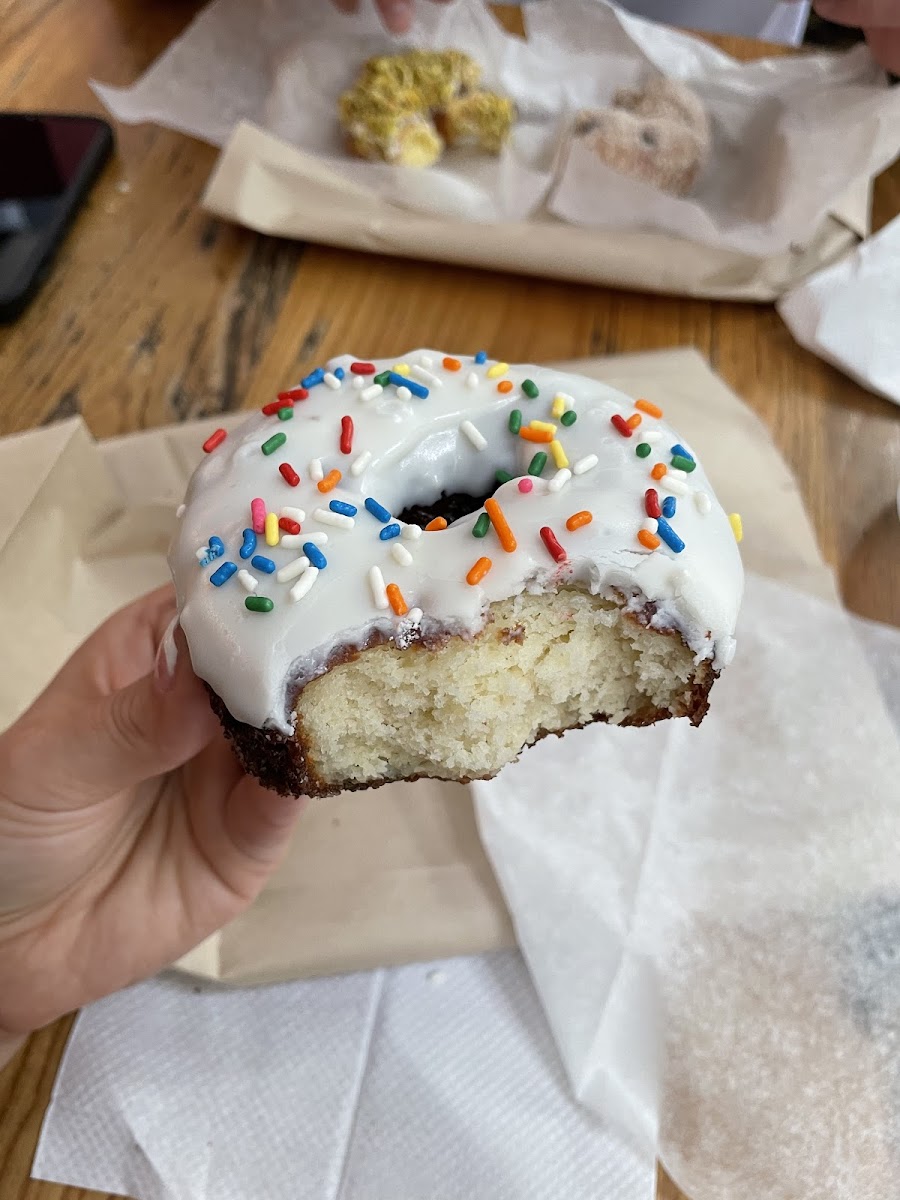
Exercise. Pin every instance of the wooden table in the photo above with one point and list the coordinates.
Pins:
(157, 313)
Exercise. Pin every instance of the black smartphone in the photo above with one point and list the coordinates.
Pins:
(48, 162)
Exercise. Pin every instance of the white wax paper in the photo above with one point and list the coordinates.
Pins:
(779, 123)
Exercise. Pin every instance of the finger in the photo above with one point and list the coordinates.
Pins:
(396, 14)
(861, 14)
(885, 47)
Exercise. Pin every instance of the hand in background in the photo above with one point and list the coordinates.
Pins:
(878, 19)
(128, 831)
(396, 14)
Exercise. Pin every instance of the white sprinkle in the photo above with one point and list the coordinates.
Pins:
(650, 525)
(478, 440)
(703, 502)
(403, 393)
(426, 360)
(400, 554)
(651, 435)
(359, 464)
(677, 472)
(179, 511)
(247, 581)
(372, 392)
(674, 485)
(585, 464)
(568, 401)
(304, 583)
(293, 514)
(331, 380)
(339, 520)
(291, 541)
(472, 380)
(201, 553)
(414, 616)
(359, 382)
(293, 569)
(315, 470)
(411, 533)
(559, 480)
(426, 377)
(379, 592)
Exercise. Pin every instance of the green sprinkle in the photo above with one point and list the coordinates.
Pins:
(569, 417)
(530, 388)
(259, 603)
(515, 420)
(503, 476)
(481, 526)
(286, 413)
(683, 464)
(642, 449)
(384, 378)
(537, 464)
(274, 442)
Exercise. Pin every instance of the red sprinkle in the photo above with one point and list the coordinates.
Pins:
(346, 435)
(289, 474)
(362, 368)
(548, 537)
(651, 502)
(288, 525)
(622, 425)
(271, 409)
(297, 393)
(214, 440)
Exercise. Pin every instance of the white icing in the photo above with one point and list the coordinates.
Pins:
(411, 450)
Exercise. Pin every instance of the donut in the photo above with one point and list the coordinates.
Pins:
(417, 568)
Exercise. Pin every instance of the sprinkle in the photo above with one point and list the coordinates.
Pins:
(304, 583)
(297, 393)
(503, 476)
(737, 526)
(472, 380)
(478, 572)
(648, 540)
(377, 510)
(292, 569)
(217, 546)
(326, 517)
(560, 457)
(293, 514)
(578, 520)
(559, 480)
(401, 381)
(496, 370)
(652, 410)
(530, 388)
(272, 529)
(548, 537)
(546, 426)
(331, 480)
(371, 393)
(258, 515)
(542, 436)
(678, 486)
(481, 526)
(260, 563)
(501, 525)
(286, 413)
(514, 424)
(401, 368)
(383, 379)
(683, 464)
(404, 394)
(247, 581)
(269, 410)
(259, 604)
(653, 435)
(288, 474)
(275, 442)
(425, 376)
(359, 464)
(180, 511)
(379, 591)
(315, 555)
(390, 531)
(331, 381)
(651, 503)
(658, 471)
(668, 506)
(526, 484)
(223, 574)
(669, 536)
(411, 533)
(339, 373)
(437, 524)
(426, 360)
(362, 368)
(621, 424)
(703, 502)
(633, 421)
(569, 418)
(537, 464)
(475, 436)
(481, 357)
(505, 386)
(451, 364)
(358, 382)
(679, 449)
(249, 547)
(559, 405)
(214, 440)
(314, 379)
(395, 596)
(650, 525)
(214, 549)
(400, 554)
(290, 540)
(585, 464)
(415, 616)
(642, 449)
(341, 506)
(289, 526)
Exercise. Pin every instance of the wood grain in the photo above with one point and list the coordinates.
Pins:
(156, 313)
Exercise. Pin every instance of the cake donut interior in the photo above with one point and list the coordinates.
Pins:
(418, 567)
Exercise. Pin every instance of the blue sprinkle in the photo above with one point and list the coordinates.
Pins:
(249, 546)
(402, 381)
(389, 531)
(262, 564)
(341, 506)
(315, 555)
(378, 510)
(679, 449)
(314, 379)
(481, 357)
(339, 372)
(668, 506)
(217, 546)
(223, 574)
(668, 535)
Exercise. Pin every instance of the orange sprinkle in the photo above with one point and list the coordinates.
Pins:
(501, 525)
(648, 539)
(634, 420)
(452, 364)
(578, 519)
(398, 604)
(536, 435)
(331, 480)
(437, 523)
(479, 571)
(505, 385)
(652, 410)
(658, 471)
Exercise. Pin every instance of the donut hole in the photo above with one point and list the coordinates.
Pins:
(451, 506)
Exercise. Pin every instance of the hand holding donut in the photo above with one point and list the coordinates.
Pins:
(878, 19)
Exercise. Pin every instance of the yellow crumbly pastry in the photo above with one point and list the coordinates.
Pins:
(481, 119)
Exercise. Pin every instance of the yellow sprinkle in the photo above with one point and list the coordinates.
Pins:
(272, 534)
(559, 455)
(401, 368)
(558, 407)
(547, 426)
(497, 370)
(737, 526)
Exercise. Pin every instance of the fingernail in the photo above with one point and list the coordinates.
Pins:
(166, 659)
(398, 15)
